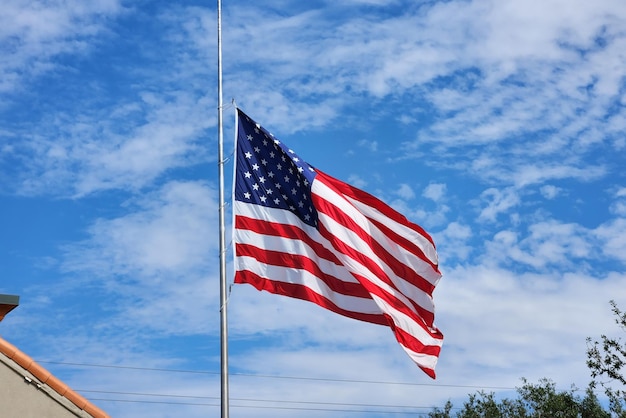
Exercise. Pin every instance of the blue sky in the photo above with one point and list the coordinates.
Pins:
(496, 125)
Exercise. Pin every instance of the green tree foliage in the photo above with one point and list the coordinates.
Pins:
(540, 400)
(442, 413)
(607, 359)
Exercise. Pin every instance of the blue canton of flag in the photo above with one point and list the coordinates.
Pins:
(272, 175)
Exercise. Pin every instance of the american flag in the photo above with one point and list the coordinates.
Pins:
(302, 233)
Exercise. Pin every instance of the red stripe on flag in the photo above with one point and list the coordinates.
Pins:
(372, 201)
(282, 259)
(332, 211)
(399, 269)
(406, 244)
(422, 315)
(286, 231)
(299, 291)
(409, 341)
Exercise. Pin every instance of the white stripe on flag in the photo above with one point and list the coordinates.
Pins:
(353, 240)
(305, 278)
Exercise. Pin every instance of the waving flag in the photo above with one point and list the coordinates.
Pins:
(302, 233)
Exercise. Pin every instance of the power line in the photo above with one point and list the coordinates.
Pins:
(163, 395)
(279, 404)
(292, 408)
(158, 395)
(112, 366)
(321, 379)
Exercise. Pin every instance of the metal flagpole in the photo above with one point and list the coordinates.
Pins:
(222, 246)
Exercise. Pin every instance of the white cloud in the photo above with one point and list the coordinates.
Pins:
(549, 191)
(97, 152)
(33, 33)
(167, 140)
(497, 201)
(405, 192)
(370, 145)
(553, 244)
(357, 181)
(100, 136)
(517, 310)
(434, 191)
(618, 208)
(613, 235)
(455, 241)
(548, 244)
(537, 174)
(168, 233)
(154, 261)
(495, 94)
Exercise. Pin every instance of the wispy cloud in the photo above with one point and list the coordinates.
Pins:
(33, 34)
(435, 191)
(156, 259)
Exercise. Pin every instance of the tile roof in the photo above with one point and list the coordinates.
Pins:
(45, 377)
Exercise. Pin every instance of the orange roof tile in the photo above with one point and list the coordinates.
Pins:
(45, 377)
